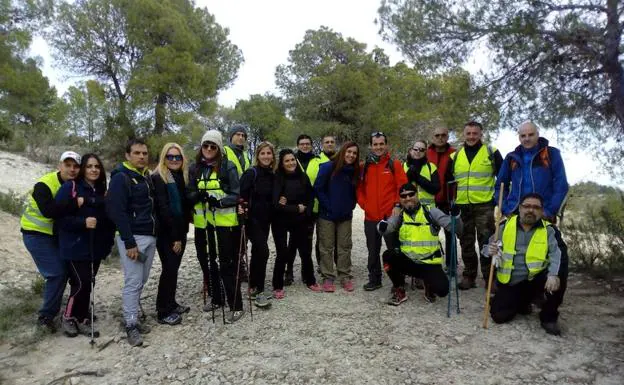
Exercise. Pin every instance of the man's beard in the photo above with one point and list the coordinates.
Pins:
(528, 219)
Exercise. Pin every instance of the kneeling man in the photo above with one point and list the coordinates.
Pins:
(419, 254)
(527, 266)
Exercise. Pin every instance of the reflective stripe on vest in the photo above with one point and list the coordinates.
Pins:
(32, 218)
(536, 258)
(231, 156)
(423, 196)
(475, 180)
(203, 213)
(416, 239)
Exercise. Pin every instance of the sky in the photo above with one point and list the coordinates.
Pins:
(267, 30)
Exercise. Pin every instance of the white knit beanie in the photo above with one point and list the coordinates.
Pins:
(215, 137)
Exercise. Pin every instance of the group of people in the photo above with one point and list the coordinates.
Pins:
(72, 221)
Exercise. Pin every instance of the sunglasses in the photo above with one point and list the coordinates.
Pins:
(378, 133)
(407, 195)
(419, 149)
(174, 158)
(210, 146)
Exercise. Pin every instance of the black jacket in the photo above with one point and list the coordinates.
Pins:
(171, 227)
(297, 190)
(256, 188)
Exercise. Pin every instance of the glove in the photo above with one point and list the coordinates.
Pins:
(213, 202)
(455, 211)
(383, 226)
(552, 284)
(494, 251)
(203, 196)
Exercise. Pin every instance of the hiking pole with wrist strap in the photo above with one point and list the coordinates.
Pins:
(498, 215)
(452, 253)
(221, 285)
(91, 252)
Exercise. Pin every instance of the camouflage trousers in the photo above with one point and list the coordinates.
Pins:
(478, 220)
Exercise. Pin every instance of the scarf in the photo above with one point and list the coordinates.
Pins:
(175, 201)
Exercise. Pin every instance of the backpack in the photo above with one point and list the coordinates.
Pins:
(389, 166)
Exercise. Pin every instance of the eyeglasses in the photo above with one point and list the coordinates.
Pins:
(407, 195)
(174, 158)
(419, 149)
(531, 207)
(439, 135)
(210, 146)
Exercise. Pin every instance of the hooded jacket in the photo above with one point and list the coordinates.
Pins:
(544, 173)
(130, 203)
(378, 190)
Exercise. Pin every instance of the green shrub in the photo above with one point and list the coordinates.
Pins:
(12, 203)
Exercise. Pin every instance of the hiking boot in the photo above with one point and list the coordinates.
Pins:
(328, 286)
(70, 329)
(348, 285)
(289, 279)
(467, 283)
(370, 286)
(211, 306)
(234, 316)
(429, 296)
(143, 329)
(171, 319)
(84, 328)
(315, 288)
(552, 328)
(134, 336)
(397, 296)
(47, 324)
(181, 309)
(262, 301)
(279, 294)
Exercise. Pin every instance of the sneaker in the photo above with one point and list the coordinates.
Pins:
(253, 292)
(552, 328)
(279, 294)
(171, 319)
(211, 306)
(134, 336)
(370, 286)
(262, 301)
(429, 296)
(84, 328)
(143, 329)
(315, 288)
(289, 279)
(70, 329)
(328, 286)
(181, 309)
(234, 316)
(466, 283)
(47, 324)
(348, 285)
(397, 296)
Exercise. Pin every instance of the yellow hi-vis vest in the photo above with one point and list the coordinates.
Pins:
(536, 257)
(423, 196)
(475, 180)
(231, 156)
(312, 172)
(32, 219)
(416, 239)
(204, 214)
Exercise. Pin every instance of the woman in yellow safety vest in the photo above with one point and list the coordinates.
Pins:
(422, 173)
(213, 190)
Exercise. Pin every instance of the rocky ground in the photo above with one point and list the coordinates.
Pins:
(321, 338)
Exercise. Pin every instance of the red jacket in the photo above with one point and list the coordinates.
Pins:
(378, 192)
(441, 160)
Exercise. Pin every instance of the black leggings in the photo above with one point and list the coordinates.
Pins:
(258, 233)
(167, 285)
(79, 273)
(302, 240)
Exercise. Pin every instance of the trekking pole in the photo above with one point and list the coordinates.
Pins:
(221, 285)
(242, 252)
(452, 269)
(205, 297)
(91, 252)
(497, 218)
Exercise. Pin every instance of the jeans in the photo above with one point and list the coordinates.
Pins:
(45, 252)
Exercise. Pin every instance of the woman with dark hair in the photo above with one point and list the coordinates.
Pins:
(174, 214)
(422, 173)
(256, 193)
(213, 189)
(85, 239)
(335, 189)
(293, 199)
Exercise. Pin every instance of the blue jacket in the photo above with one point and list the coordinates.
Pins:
(336, 194)
(74, 237)
(130, 203)
(539, 170)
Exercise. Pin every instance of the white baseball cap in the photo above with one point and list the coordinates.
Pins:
(70, 155)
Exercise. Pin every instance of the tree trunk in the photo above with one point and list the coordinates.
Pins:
(612, 64)
(160, 114)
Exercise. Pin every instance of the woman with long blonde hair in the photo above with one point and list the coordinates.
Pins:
(174, 214)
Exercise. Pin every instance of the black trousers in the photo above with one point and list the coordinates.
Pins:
(221, 278)
(511, 300)
(302, 240)
(258, 233)
(373, 244)
(398, 265)
(168, 282)
(79, 274)
(292, 247)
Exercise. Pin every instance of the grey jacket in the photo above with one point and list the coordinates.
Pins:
(438, 219)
